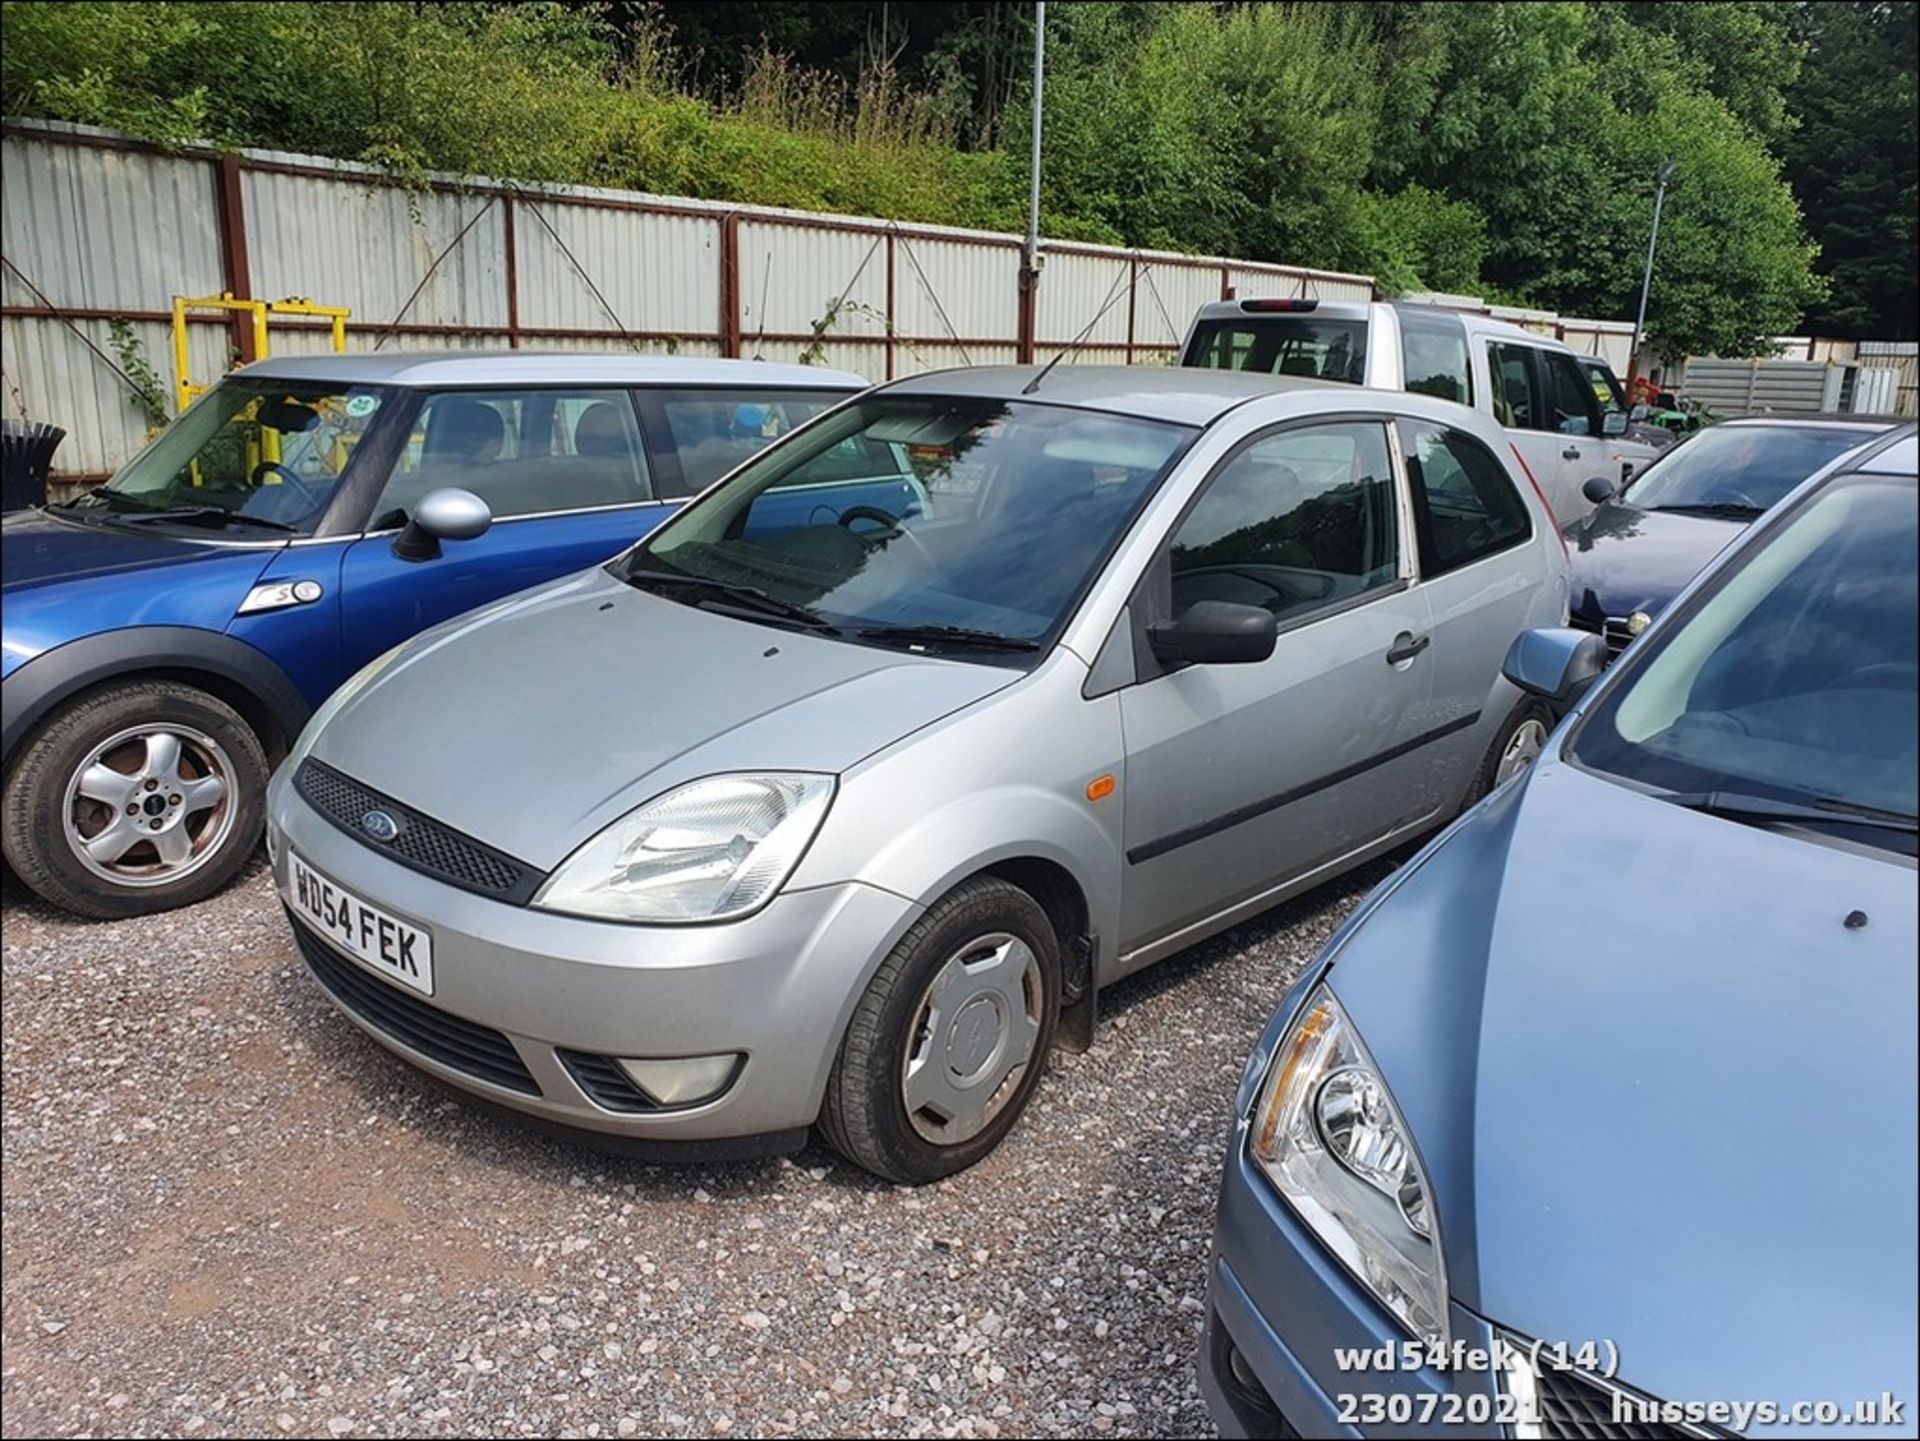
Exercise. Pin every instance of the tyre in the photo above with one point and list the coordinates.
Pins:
(1515, 747)
(950, 1038)
(135, 798)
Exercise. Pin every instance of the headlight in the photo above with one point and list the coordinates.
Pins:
(1327, 1134)
(709, 850)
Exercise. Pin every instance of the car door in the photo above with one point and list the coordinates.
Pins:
(1242, 777)
(1576, 420)
(564, 473)
(1482, 582)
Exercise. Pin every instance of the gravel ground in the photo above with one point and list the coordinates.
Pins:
(226, 1212)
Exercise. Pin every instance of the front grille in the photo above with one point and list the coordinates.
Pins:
(1574, 1406)
(1613, 629)
(479, 1051)
(604, 1082)
(422, 843)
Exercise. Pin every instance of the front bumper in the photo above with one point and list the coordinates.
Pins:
(515, 987)
(1280, 1308)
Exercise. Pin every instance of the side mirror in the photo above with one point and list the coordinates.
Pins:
(1599, 490)
(1557, 664)
(449, 514)
(1215, 632)
(1613, 422)
(1639, 413)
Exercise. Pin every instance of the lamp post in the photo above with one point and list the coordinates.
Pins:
(1646, 280)
(1030, 257)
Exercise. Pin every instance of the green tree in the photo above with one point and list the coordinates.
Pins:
(1855, 162)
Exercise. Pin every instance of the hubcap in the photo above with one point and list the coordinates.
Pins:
(150, 805)
(973, 1038)
(1523, 748)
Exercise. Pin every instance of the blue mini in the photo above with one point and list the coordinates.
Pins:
(167, 636)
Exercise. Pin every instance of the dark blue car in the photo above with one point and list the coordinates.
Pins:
(1634, 552)
(1597, 1119)
(167, 636)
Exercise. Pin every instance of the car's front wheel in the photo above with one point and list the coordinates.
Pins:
(950, 1038)
(136, 798)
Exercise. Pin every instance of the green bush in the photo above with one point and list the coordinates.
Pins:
(1497, 147)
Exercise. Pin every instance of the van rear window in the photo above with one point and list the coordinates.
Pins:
(1303, 345)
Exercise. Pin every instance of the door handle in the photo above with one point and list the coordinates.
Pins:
(1406, 646)
(1572, 452)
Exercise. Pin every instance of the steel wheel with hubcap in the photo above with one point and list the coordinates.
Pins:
(135, 798)
(950, 1037)
(1517, 745)
(973, 1038)
(1523, 748)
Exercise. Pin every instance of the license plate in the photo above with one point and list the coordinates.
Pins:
(381, 942)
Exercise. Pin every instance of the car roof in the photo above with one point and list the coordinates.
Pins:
(1363, 310)
(527, 367)
(1895, 454)
(1177, 394)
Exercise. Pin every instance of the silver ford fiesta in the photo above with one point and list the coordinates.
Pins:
(837, 800)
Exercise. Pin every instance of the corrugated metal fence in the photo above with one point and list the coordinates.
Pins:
(98, 229)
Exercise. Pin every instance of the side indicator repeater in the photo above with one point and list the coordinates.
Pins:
(1100, 787)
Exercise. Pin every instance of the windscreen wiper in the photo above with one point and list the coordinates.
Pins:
(744, 597)
(205, 514)
(948, 635)
(1719, 510)
(1761, 810)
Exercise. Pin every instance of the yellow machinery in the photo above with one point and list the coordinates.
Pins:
(266, 445)
(184, 390)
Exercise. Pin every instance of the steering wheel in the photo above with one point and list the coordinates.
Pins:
(894, 530)
(307, 493)
(1729, 495)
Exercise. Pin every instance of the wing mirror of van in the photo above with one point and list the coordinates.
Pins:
(447, 514)
(1599, 489)
(1557, 664)
(1215, 632)
(1614, 422)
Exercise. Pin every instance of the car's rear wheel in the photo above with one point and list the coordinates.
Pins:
(137, 798)
(950, 1038)
(1516, 746)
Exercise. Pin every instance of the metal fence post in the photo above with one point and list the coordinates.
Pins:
(231, 216)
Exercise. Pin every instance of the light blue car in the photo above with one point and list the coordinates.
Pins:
(1598, 1118)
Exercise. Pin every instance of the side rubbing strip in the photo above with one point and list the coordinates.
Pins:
(1242, 814)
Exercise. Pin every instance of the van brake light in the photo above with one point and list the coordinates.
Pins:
(1257, 307)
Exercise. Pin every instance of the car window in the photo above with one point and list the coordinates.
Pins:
(900, 519)
(1305, 345)
(1791, 675)
(1569, 396)
(1433, 349)
(270, 452)
(523, 452)
(1607, 394)
(1741, 467)
(1516, 399)
(1465, 504)
(1297, 522)
(712, 431)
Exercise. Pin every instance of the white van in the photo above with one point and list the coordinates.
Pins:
(1534, 386)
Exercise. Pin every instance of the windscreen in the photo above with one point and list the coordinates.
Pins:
(933, 522)
(1793, 677)
(1741, 467)
(1309, 346)
(252, 454)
